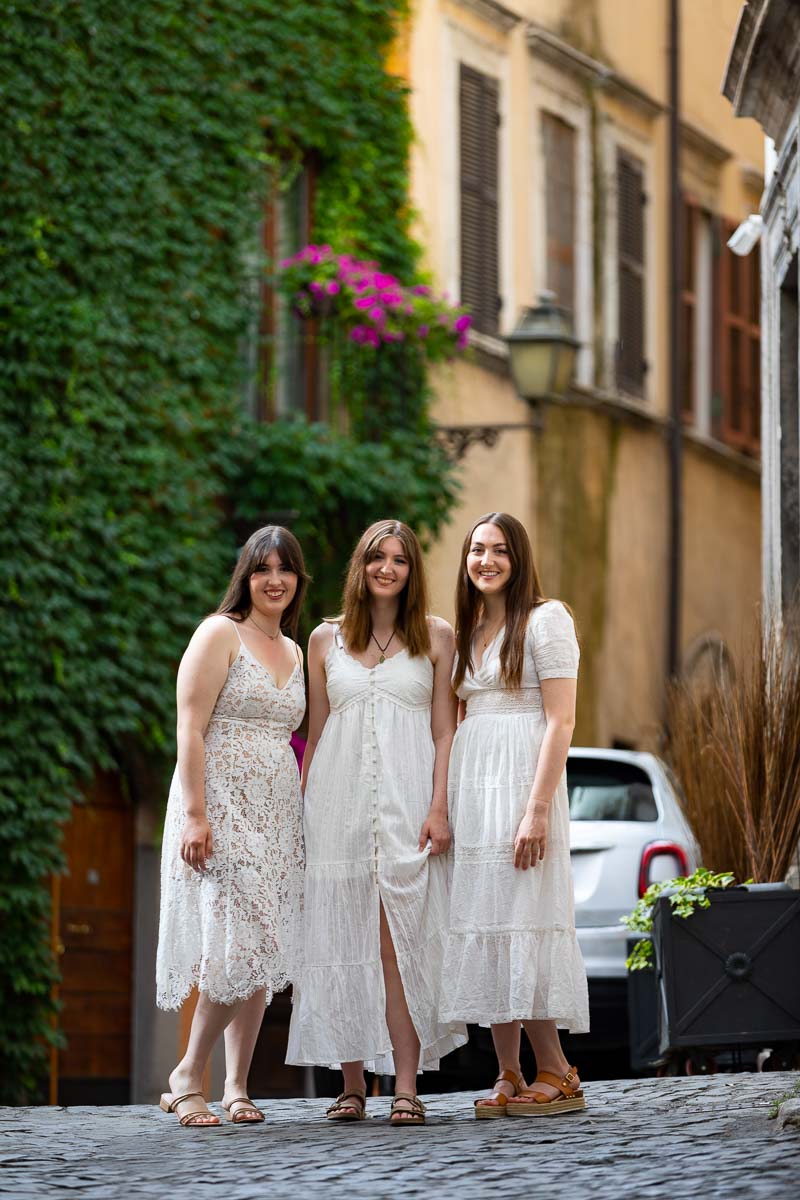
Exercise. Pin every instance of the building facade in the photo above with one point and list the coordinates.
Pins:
(763, 81)
(542, 163)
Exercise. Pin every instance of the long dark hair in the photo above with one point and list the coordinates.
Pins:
(523, 593)
(412, 615)
(236, 602)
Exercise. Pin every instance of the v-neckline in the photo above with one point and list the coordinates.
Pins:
(487, 648)
(391, 658)
(267, 671)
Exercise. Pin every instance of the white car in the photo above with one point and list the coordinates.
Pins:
(626, 832)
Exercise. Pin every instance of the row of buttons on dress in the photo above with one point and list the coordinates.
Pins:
(374, 740)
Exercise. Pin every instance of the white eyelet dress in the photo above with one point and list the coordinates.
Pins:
(367, 795)
(235, 928)
(512, 952)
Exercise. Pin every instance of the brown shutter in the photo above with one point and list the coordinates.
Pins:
(630, 267)
(740, 347)
(690, 215)
(558, 141)
(480, 274)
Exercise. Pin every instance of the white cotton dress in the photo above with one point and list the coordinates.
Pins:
(367, 795)
(512, 952)
(235, 928)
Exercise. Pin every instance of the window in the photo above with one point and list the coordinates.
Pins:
(790, 440)
(740, 347)
(289, 376)
(558, 138)
(689, 309)
(631, 365)
(478, 146)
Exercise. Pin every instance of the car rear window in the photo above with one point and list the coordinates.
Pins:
(603, 790)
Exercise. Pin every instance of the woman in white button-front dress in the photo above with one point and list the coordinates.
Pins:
(512, 954)
(381, 721)
(232, 856)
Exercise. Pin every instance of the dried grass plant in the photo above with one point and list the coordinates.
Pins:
(734, 745)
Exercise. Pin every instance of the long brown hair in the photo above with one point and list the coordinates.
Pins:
(412, 623)
(237, 603)
(523, 593)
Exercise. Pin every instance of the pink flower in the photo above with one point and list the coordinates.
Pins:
(393, 335)
(420, 289)
(316, 288)
(363, 302)
(358, 332)
(463, 341)
(393, 299)
(377, 315)
(462, 323)
(381, 280)
(333, 288)
(372, 337)
(423, 331)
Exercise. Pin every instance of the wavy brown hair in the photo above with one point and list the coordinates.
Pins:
(355, 620)
(236, 602)
(523, 593)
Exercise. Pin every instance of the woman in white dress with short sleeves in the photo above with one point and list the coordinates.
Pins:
(381, 721)
(512, 955)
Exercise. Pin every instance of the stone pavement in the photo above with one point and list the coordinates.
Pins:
(642, 1138)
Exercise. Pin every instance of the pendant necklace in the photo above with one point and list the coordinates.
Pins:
(382, 649)
(273, 637)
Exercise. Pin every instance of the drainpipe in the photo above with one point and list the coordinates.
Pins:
(675, 350)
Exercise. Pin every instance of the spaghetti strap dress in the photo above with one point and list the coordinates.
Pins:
(234, 928)
(512, 951)
(368, 792)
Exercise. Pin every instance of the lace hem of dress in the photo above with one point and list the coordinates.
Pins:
(504, 700)
(176, 996)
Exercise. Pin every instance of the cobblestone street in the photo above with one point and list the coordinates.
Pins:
(642, 1138)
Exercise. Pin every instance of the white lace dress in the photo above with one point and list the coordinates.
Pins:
(235, 928)
(512, 953)
(367, 795)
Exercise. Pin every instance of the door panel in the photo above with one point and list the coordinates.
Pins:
(96, 933)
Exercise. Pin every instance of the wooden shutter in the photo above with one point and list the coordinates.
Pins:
(631, 364)
(740, 347)
(480, 250)
(558, 141)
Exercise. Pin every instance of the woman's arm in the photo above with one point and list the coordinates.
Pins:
(443, 726)
(558, 698)
(318, 704)
(201, 675)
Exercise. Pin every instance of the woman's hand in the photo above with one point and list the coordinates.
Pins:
(437, 830)
(196, 842)
(531, 840)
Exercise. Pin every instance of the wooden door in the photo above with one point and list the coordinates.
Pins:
(95, 929)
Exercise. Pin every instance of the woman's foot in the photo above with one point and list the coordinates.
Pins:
(238, 1106)
(407, 1109)
(551, 1092)
(507, 1084)
(350, 1105)
(185, 1099)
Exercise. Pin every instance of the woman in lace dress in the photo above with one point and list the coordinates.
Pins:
(382, 717)
(232, 858)
(512, 954)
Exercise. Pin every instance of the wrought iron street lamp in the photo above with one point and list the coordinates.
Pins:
(542, 350)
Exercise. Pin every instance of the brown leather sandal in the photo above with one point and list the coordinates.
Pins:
(169, 1104)
(530, 1103)
(240, 1111)
(413, 1115)
(340, 1110)
(495, 1105)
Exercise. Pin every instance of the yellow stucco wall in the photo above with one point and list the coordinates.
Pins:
(592, 484)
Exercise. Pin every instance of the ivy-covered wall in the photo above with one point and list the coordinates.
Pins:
(139, 145)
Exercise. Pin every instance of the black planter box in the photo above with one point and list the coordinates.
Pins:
(642, 1016)
(729, 975)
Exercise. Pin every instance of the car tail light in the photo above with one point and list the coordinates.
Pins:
(651, 854)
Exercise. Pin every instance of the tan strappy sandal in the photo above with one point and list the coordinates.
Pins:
(413, 1115)
(240, 1111)
(340, 1110)
(169, 1104)
(530, 1103)
(489, 1107)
